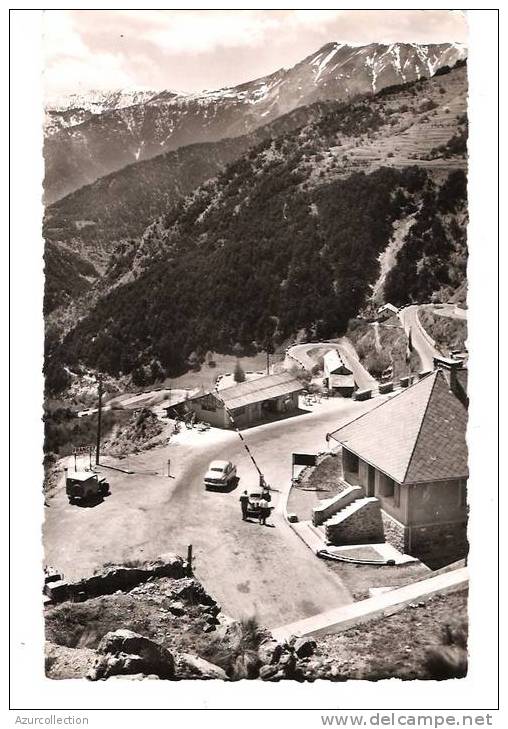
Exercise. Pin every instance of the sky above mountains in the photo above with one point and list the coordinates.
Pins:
(192, 50)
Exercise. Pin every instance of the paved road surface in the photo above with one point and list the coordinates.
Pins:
(421, 342)
(363, 378)
(451, 311)
(247, 567)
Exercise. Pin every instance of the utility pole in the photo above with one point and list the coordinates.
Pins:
(99, 418)
(269, 350)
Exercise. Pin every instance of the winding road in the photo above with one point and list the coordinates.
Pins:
(299, 353)
(420, 340)
(250, 569)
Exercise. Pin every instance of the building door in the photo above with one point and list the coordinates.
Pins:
(371, 480)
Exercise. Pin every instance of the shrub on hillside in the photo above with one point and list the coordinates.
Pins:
(193, 362)
(427, 105)
(237, 653)
(449, 660)
(377, 363)
(239, 374)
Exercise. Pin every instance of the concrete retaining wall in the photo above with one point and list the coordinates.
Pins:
(340, 619)
(328, 507)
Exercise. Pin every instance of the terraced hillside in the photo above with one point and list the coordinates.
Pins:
(417, 123)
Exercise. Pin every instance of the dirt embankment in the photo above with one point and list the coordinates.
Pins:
(142, 431)
(386, 347)
(426, 640)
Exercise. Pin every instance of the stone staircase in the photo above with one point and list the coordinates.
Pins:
(359, 522)
(329, 507)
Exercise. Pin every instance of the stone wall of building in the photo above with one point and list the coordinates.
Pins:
(359, 523)
(439, 544)
(395, 532)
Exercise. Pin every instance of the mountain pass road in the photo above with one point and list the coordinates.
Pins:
(248, 568)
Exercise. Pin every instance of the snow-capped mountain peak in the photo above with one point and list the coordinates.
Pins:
(139, 124)
(97, 101)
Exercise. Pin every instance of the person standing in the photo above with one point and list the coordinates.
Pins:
(264, 511)
(244, 502)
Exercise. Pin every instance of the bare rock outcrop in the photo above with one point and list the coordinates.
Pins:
(193, 667)
(123, 652)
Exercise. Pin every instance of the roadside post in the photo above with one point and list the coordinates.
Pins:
(169, 469)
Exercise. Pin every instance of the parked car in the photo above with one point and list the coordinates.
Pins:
(220, 474)
(82, 486)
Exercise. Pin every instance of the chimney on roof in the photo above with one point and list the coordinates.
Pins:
(450, 367)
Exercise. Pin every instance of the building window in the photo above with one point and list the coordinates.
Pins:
(208, 403)
(239, 411)
(351, 462)
(387, 486)
(396, 495)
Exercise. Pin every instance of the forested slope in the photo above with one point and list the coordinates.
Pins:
(287, 239)
(286, 260)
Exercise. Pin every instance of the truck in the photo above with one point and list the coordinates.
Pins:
(82, 486)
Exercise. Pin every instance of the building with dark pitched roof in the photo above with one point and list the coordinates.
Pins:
(410, 453)
(386, 311)
(248, 402)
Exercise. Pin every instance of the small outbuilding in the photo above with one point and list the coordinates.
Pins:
(248, 402)
(338, 377)
(386, 311)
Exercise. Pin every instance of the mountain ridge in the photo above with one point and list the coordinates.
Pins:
(78, 154)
